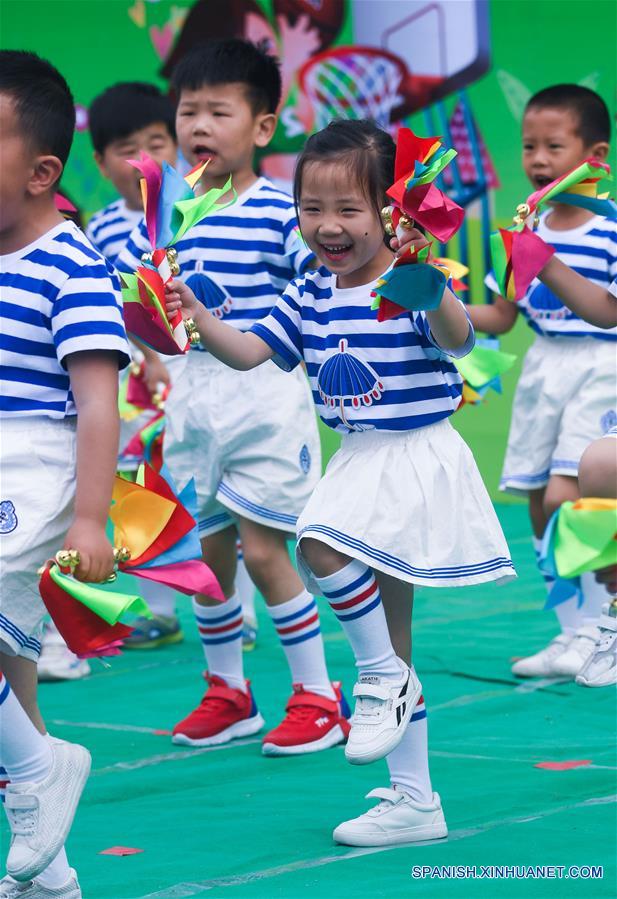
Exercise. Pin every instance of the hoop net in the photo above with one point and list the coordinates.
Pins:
(353, 83)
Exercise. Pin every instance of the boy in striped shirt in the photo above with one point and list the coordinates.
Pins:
(565, 397)
(62, 342)
(249, 438)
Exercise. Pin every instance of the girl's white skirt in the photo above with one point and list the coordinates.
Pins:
(410, 504)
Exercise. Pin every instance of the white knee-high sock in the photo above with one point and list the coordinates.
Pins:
(408, 763)
(220, 630)
(569, 616)
(25, 754)
(353, 595)
(245, 588)
(161, 599)
(297, 624)
(595, 595)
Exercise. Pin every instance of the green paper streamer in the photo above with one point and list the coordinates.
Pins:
(109, 606)
(436, 168)
(483, 364)
(197, 208)
(584, 540)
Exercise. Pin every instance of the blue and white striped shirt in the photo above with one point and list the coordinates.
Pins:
(590, 250)
(58, 296)
(109, 229)
(364, 374)
(237, 261)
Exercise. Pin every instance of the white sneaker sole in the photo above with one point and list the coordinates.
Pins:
(347, 836)
(382, 744)
(245, 728)
(41, 859)
(332, 738)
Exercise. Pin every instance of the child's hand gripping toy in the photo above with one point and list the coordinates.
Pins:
(156, 538)
(518, 253)
(416, 281)
(171, 209)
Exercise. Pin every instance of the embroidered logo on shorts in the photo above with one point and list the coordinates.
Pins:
(305, 459)
(608, 421)
(8, 517)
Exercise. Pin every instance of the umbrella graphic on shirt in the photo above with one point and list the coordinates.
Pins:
(343, 378)
(214, 298)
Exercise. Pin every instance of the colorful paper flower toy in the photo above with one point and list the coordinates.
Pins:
(482, 369)
(418, 161)
(147, 444)
(416, 281)
(171, 209)
(518, 253)
(580, 536)
(156, 538)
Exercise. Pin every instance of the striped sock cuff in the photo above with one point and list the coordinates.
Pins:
(219, 624)
(4, 688)
(419, 712)
(297, 620)
(352, 592)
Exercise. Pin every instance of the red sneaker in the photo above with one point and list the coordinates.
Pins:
(312, 723)
(223, 714)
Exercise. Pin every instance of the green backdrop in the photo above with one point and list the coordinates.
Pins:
(534, 43)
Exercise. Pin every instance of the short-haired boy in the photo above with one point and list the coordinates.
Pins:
(231, 429)
(62, 342)
(565, 397)
(124, 120)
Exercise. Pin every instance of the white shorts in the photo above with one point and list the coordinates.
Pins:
(37, 479)
(411, 504)
(249, 438)
(565, 398)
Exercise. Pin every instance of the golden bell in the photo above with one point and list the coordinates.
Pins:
(191, 331)
(158, 400)
(172, 259)
(386, 219)
(135, 368)
(406, 222)
(121, 554)
(522, 211)
(68, 558)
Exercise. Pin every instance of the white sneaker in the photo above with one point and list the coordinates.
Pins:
(600, 669)
(41, 814)
(396, 819)
(580, 648)
(56, 661)
(542, 664)
(12, 889)
(382, 712)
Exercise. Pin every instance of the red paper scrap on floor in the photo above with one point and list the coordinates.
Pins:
(563, 766)
(120, 850)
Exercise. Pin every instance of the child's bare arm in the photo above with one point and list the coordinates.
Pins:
(238, 349)
(94, 384)
(497, 317)
(449, 323)
(592, 303)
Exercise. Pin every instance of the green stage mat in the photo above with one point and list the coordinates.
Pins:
(227, 822)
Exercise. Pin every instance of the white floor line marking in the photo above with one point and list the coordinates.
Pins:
(470, 699)
(187, 889)
(171, 757)
(539, 683)
(102, 725)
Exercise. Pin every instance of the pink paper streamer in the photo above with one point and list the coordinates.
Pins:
(143, 324)
(529, 256)
(153, 175)
(188, 577)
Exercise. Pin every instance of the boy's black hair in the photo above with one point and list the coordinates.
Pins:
(43, 101)
(361, 145)
(594, 123)
(231, 61)
(127, 107)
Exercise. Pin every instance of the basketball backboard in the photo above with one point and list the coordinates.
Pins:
(443, 43)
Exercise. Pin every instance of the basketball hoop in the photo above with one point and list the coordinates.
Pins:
(353, 83)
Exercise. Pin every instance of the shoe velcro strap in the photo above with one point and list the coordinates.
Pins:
(20, 800)
(385, 793)
(372, 690)
(313, 699)
(226, 693)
